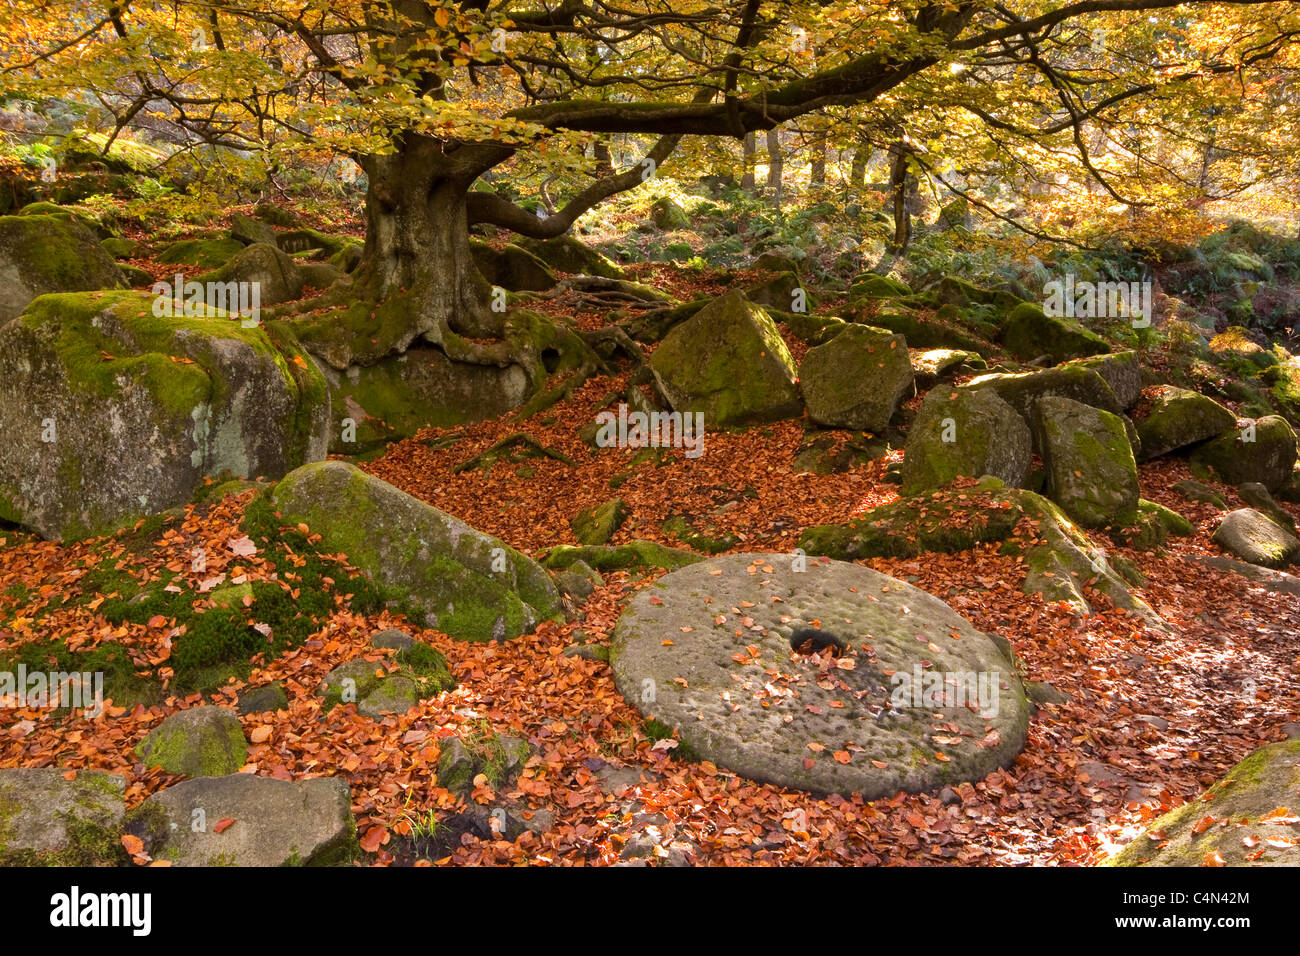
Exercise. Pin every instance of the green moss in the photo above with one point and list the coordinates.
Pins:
(201, 253)
(681, 529)
(634, 554)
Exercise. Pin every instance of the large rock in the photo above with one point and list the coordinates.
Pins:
(729, 362)
(1029, 333)
(1177, 418)
(1059, 558)
(738, 695)
(108, 412)
(512, 267)
(264, 267)
(1122, 372)
(568, 254)
(1262, 450)
(199, 742)
(42, 254)
(458, 580)
(1255, 539)
(857, 379)
(962, 431)
(1021, 389)
(271, 822)
(47, 819)
(1091, 472)
(1246, 819)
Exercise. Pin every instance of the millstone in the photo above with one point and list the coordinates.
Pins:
(707, 651)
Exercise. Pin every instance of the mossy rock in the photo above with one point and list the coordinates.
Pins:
(248, 230)
(934, 365)
(1232, 823)
(47, 819)
(1022, 389)
(962, 431)
(809, 328)
(1178, 417)
(1091, 472)
(784, 292)
(568, 254)
(451, 577)
(1261, 450)
(512, 267)
(684, 531)
(1122, 371)
(111, 412)
(203, 254)
(261, 700)
(51, 253)
(633, 555)
(858, 379)
(263, 267)
(311, 243)
(120, 248)
(927, 332)
(729, 362)
(668, 216)
(199, 742)
(1029, 332)
(1256, 539)
(597, 524)
(1256, 496)
(1193, 490)
(870, 286)
(276, 822)
(498, 757)
(1152, 527)
(349, 682)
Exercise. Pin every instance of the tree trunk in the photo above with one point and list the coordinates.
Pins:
(858, 171)
(898, 181)
(775, 167)
(748, 150)
(604, 161)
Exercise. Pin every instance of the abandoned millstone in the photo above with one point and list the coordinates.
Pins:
(273, 822)
(1253, 809)
(877, 717)
(465, 583)
(47, 818)
(1255, 539)
(199, 742)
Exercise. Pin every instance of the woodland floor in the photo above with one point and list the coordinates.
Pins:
(1152, 718)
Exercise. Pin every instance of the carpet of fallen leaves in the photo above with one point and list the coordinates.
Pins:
(1153, 717)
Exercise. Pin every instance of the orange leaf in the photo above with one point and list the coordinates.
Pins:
(221, 826)
(133, 845)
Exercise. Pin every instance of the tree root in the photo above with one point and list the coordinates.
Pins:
(512, 449)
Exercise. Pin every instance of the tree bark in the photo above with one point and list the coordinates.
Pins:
(748, 152)
(775, 167)
(898, 181)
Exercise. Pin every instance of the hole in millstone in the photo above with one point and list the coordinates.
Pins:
(809, 641)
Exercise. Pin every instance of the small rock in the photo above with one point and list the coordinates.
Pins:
(199, 742)
(392, 638)
(260, 700)
(1041, 692)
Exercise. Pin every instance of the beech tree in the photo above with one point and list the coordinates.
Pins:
(428, 97)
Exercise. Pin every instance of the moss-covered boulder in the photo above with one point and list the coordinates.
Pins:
(1152, 527)
(633, 555)
(784, 292)
(264, 267)
(1193, 490)
(668, 216)
(109, 411)
(1091, 472)
(857, 379)
(869, 286)
(453, 578)
(42, 254)
(729, 362)
(1256, 496)
(249, 230)
(512, 267)
(263, 699)
(1022, 389)
(872, 725)
(273, 822)
(52, 817)
(1177, 417)
(567, 254)
(1029, 332)
(199, 742)
(393, 398)
(1246, 819)
(597, 524)
(1260, 450)
(201, 253)
(1122, 372)
(925, 331)
(1255, 539)
(1061, 561)
(935, 365)
(962, 431)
